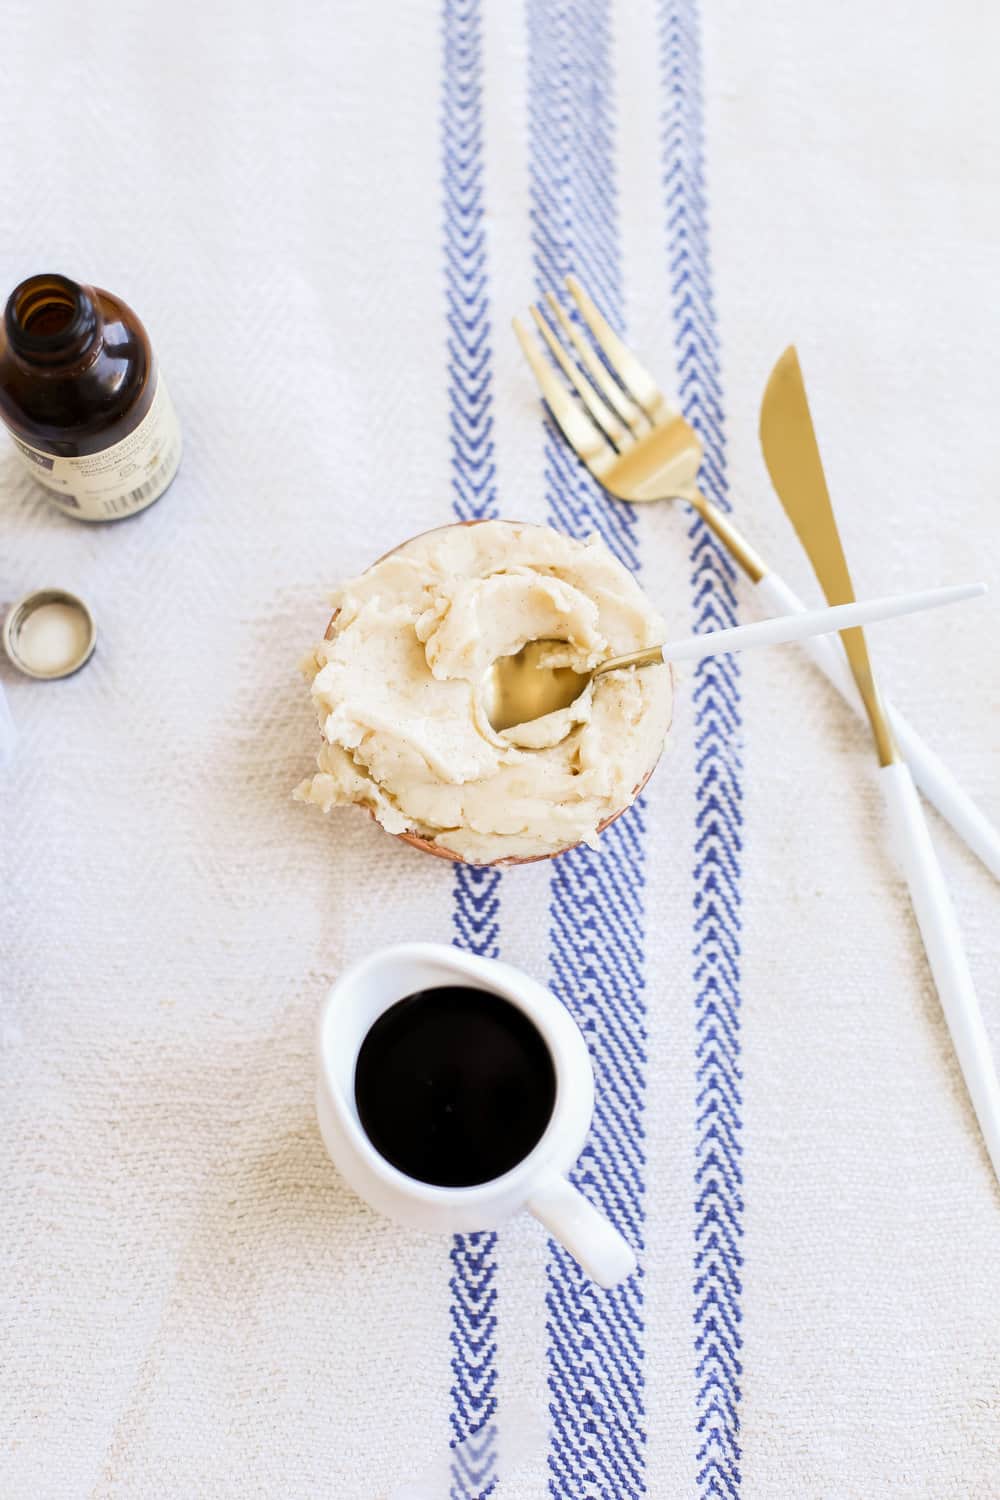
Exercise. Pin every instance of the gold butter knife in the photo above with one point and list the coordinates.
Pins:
(793, 461)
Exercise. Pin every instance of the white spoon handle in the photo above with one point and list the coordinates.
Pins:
(796, 627)
(929, 772)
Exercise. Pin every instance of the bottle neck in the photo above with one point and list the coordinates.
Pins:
(53, 322)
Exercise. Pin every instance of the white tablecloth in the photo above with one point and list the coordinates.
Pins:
(326, 216)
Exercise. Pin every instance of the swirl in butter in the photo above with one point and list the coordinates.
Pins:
(398, 692)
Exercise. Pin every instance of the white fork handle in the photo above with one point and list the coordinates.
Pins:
(929, 771)
(945, 950)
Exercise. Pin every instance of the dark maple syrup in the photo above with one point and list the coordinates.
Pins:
(454, 1085)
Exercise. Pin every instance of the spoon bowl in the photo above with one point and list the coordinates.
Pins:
(522, 687)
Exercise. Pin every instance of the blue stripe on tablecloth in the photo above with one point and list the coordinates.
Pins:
(595, 1338)
(718, 1259)
(476, 892)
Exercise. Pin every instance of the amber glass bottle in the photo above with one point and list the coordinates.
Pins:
(83, 400)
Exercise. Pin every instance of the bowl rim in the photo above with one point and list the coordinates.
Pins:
(439, 851)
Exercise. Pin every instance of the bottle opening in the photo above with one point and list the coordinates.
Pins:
(50, 317)
(47, 314)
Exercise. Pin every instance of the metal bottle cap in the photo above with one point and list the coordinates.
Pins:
(70, 640)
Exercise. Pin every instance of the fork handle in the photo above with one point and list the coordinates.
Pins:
(945, 950)
(734, 541)
(929, 771)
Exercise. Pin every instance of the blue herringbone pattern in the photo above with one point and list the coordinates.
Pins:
(718, 834)
(473, 471)
(473, 1365)
(473, 477)
(595, 1339)
(574, 218)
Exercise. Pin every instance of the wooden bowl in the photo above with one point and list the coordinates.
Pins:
(415, 840)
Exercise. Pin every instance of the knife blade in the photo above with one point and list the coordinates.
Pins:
(788, 439)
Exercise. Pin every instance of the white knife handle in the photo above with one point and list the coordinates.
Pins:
(945, 950)
(929, 772)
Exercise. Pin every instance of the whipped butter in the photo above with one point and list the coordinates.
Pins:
(397, 690)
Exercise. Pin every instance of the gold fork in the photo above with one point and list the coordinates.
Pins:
(640, 447)
(633, 441)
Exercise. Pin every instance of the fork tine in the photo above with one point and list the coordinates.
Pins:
(612, 392)
(599, 410)
(583, 435)
(637, 381)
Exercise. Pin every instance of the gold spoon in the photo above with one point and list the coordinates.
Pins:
(522, 687)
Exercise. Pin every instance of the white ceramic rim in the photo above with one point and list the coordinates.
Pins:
(562, 1036)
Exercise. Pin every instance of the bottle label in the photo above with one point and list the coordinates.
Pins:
(117, 481)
